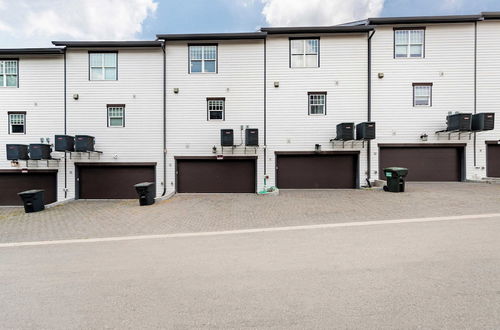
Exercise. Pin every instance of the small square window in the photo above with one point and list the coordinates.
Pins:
(216, 109)
(8, 73)
(317, 103)
(304, 53)
(103, 66)
(422, 95)
(409, 43)
(17, 123)
(202, 58)
(116, 116)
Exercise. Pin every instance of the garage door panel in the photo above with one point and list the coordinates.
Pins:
(112, 182)
(424, 163)
(13, 183)
(216, 176)
(316, 171)
(493, 161)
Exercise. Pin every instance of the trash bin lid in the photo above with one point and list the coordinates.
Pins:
(398, 170)
(144, 184)
(33, 191)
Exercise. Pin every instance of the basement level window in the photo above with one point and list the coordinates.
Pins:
(317, 103)
(202, 58)
(304, 53)
(216, 108)
(103, 66)
(409, 43)
(422, 94)
(116, 116)
(17, 122)
(8, 73)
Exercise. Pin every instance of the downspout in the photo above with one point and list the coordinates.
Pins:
(164, 120)
(369, 107)
(65, 132)
(265, 106)
(475, 88)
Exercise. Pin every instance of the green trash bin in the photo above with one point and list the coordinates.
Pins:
(395, 179)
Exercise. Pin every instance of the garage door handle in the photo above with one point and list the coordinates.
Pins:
(78, 179)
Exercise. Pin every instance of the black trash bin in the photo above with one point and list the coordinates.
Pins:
(395, 179)
(33, 200)
(146, 191)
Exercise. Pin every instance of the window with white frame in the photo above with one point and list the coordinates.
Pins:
(116, 116)
(203, 58)
(8, 73)
(422, 95)
(103, 66)
(409, 43)
(317, 103)
(304, 53)
(17, 123)
(215, 108)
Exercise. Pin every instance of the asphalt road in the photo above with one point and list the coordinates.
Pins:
(431, 275)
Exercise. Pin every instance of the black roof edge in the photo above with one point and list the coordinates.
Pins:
(108, 44)
(318, 29)
(490, 15)
(424, 19)
(31, 51)
(212, 36)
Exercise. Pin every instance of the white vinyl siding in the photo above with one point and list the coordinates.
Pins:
(203, 59)
(8, 73)
(422, 95)
(17, 123)
(216, 109)
(116, 116)
(103, 66)
(304, 53)
(317, 103)
(409, 43)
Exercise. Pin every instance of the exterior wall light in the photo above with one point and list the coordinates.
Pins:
(317, 148)
(380, 75)
(76, 96)
(176, 90)
(424, 137)
(276, 84)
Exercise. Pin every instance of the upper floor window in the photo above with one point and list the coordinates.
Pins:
(17, 122)
(203, 58)
(317, 103)
(422, 94)
(304, 53)
(8, 73)
(103, 66)
(116, 115)
(409, 43)
(215, 108)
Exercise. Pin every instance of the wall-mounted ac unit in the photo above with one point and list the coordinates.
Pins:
(459, 122)
(84, 143)
(483, 121)
(252, 137)
(226, 137)
(365, 131)
(39, 151)
(345, 132)
(17, 152)
(64, 143)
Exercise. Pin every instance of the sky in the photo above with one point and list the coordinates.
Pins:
(35, 23)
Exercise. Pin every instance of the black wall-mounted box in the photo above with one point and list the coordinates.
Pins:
(365, 131)
(84, 143)
(226, 137)
(459, 122)
(252, 137)
(40, 151)
(345, 132)
(17, 152)
(483, 121)
(64, 143)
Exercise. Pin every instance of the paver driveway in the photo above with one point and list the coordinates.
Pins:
(213, 212)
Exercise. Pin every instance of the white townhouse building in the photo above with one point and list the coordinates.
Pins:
(295, 107)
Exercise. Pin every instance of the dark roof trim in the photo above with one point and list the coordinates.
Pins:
(31, 51)
(424, 19)
(107, 44)
(490, 15)
(212, 36)
(317, 29)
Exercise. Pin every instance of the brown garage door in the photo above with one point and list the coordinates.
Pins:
(112, 181)
(12, 183)
(324, 171)
(493, 161)
(429, 163)
(216, 176)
